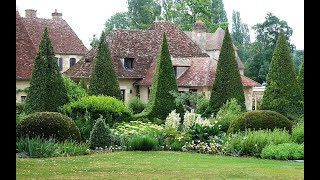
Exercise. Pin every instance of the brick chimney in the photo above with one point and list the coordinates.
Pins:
(56, 15)
(199, 26)
(31, 13)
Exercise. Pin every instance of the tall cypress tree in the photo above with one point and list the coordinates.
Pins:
(227, 83)
(47, 90)
(282, 93)
(103, 77)
(300, 79)
(161, 101)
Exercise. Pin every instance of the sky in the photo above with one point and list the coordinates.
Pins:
(87, 18)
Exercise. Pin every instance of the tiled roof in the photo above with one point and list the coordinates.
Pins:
(142, 45)
(64, 39)
(200, 73)
(28, 36)
(25, 51)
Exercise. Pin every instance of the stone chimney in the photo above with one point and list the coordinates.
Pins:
(199, 26)
(31, 13)
(56, 15)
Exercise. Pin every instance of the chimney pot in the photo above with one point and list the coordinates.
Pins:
(30, 13)
(56, 15)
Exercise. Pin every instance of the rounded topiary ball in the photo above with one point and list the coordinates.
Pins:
(48, 125)
(261, 119)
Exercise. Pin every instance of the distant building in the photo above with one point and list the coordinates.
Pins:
(68, 48)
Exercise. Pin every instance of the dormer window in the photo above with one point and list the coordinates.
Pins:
(128, 63)
(72, 61)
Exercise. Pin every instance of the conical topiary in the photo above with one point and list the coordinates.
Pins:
(100, 135)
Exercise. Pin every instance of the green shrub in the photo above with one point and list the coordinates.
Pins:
(143, 143)
(136, 105)
(229, 112)
(260, 119)
(98, 105)
(251, 143)
(19, 117)
(202, 105)
(20, 108)
(100, 135)
(39, 147)
(48, 125)
(286, 151)
(74, 91)
(203, 132)
(298, 133)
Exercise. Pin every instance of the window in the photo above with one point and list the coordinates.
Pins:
(122, 94)
(128, 63)
(149, 91)
(72, 61)
(175, 71)
(23, 98)
(60, 64)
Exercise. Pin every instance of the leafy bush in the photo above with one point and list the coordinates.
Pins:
(136, 105)
(251, 143)
(19, 117)
(39, 147)
(229, 112)
(201, 132)
(260, 119)
(202, 105)
(174, 140)
(48, 125)
(74, 91)
(20, 108)
(284, 151)
(143, 143)
(100, 135)
(89, 108)
(298, 133)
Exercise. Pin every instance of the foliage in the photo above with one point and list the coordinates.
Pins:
(286, 151)
(187, 99)
(261, 50)
(298, 133)
(189, 119)
(143, 143)
(43, 148)
(298, 58)
(142, 13)
(251, 143)
(20, 108)
(227, 83)
(229, 112)
(74, 91)
(300, 79)
(161, 102)
(94, 41)
(95, 105)
(174, 140)
(19, 117)
(103, 79)
(100, 136)
(203, 132)
(240, 31)
(83, 84)
(173, 120)
(47, 91)
(202, 105)
(118, 20)
(282, 93)
(48, 125)
(136, 105)
(218, 12)
(260, 119)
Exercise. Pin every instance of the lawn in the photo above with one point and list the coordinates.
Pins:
(156, 165)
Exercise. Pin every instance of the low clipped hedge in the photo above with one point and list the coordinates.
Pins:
(260, 119)
(98, 105)
(48, 125)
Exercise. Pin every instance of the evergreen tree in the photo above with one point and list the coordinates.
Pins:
(227, 83)
(47, 90)
(103, 77)
(282, 93)
(161, 101)
(300, 79)
(100, 135)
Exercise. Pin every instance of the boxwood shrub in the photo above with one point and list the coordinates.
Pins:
(260, 119)
(48, 125)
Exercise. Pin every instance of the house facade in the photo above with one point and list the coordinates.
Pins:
(68, 48)
(134, 58)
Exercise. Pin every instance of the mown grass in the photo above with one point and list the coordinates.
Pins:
(156, 165)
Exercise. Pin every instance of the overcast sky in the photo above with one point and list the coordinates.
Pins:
(88, 17)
